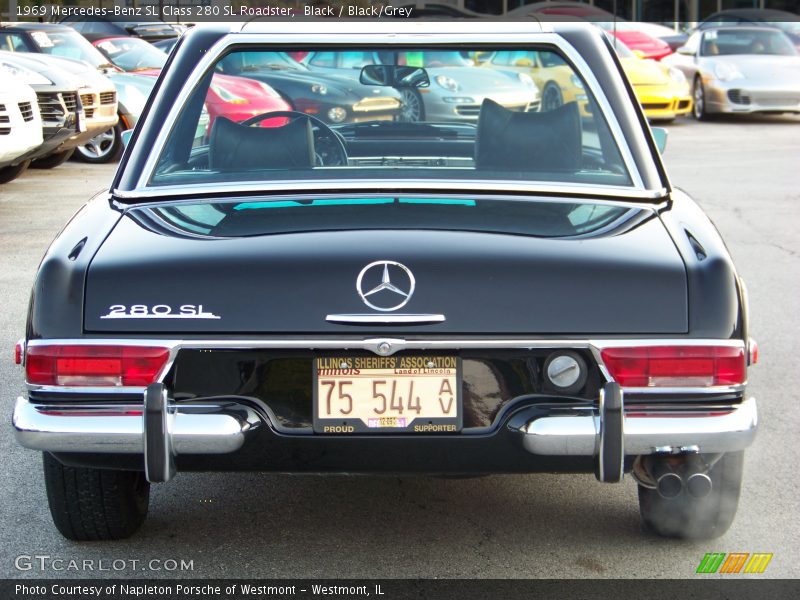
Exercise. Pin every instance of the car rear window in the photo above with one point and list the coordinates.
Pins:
(264, 216)
(476, 113)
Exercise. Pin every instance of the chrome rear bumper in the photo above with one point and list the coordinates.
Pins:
(647, 430)
(609, 431)
(194, 428)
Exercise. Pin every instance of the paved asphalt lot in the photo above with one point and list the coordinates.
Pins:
(744, 172)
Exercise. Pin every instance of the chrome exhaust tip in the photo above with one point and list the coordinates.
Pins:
(699, 485)
(669, 485)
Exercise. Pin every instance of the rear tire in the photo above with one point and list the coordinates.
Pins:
(95, 504)
(11, 173)
(687, 517)
(53, 160)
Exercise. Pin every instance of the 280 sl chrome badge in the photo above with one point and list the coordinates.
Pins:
(384, 269)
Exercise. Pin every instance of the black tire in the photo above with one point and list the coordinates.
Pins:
(104, 148)
(699, 101)
(686, 517)
(95, 504)
(53, 160)
(552, 97)
(11, 173)
(412, 109)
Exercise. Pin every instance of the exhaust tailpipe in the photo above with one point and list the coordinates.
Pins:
(699, 485)
(669, 485)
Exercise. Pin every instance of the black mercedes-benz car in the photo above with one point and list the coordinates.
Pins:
(526, 293)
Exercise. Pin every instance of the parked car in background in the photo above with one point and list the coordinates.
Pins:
(740, 69)
(20, 125)
(639, 42)
(331, 97)
(132, 93)
(237, 98)
(457, 87)
(131, 54)
(57, 95)
(556, 80)
(107, 26)
(663, 90)
(787, 22)
(99, 102)
(634, 35)
(48, 38)
(674, 38)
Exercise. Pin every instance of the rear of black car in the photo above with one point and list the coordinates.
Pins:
(523, 294)
(526, 316)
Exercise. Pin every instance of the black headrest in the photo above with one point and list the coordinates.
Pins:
(232, 146)
(535, 141)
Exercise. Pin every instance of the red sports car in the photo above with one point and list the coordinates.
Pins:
(646, 46)
(237, 98)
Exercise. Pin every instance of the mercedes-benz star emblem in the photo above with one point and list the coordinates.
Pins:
(393, 280)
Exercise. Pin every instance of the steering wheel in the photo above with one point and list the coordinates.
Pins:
(329, 153)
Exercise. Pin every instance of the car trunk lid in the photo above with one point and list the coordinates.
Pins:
(150, 276)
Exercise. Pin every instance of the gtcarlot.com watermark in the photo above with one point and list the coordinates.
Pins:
(43, 563)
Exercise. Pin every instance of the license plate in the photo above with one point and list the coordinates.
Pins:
(387, 394)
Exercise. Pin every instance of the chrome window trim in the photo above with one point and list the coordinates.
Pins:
(374, 344)
(451, 185)
(409, 36)
(159, 202)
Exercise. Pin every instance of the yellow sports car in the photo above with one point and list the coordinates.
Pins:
(556, 80)
(663, 91)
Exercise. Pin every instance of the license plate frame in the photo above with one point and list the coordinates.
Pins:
(420, 422)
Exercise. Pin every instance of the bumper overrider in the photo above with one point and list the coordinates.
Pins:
(233, 434)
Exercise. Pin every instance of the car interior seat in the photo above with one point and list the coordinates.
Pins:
(509, 140)
(232, 146)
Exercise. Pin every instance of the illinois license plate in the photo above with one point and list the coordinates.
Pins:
(389, 394)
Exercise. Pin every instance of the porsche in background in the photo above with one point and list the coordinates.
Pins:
(20, 125)
(787, 22)
(662, 90)
(332, 97)
(740, 70)
(555, 79)
(457, 87)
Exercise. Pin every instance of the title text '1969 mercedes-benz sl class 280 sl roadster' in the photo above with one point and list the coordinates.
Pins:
(521, 293)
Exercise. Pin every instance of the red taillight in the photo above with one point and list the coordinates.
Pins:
(94, 365)
(675, 366)
(18, 353)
